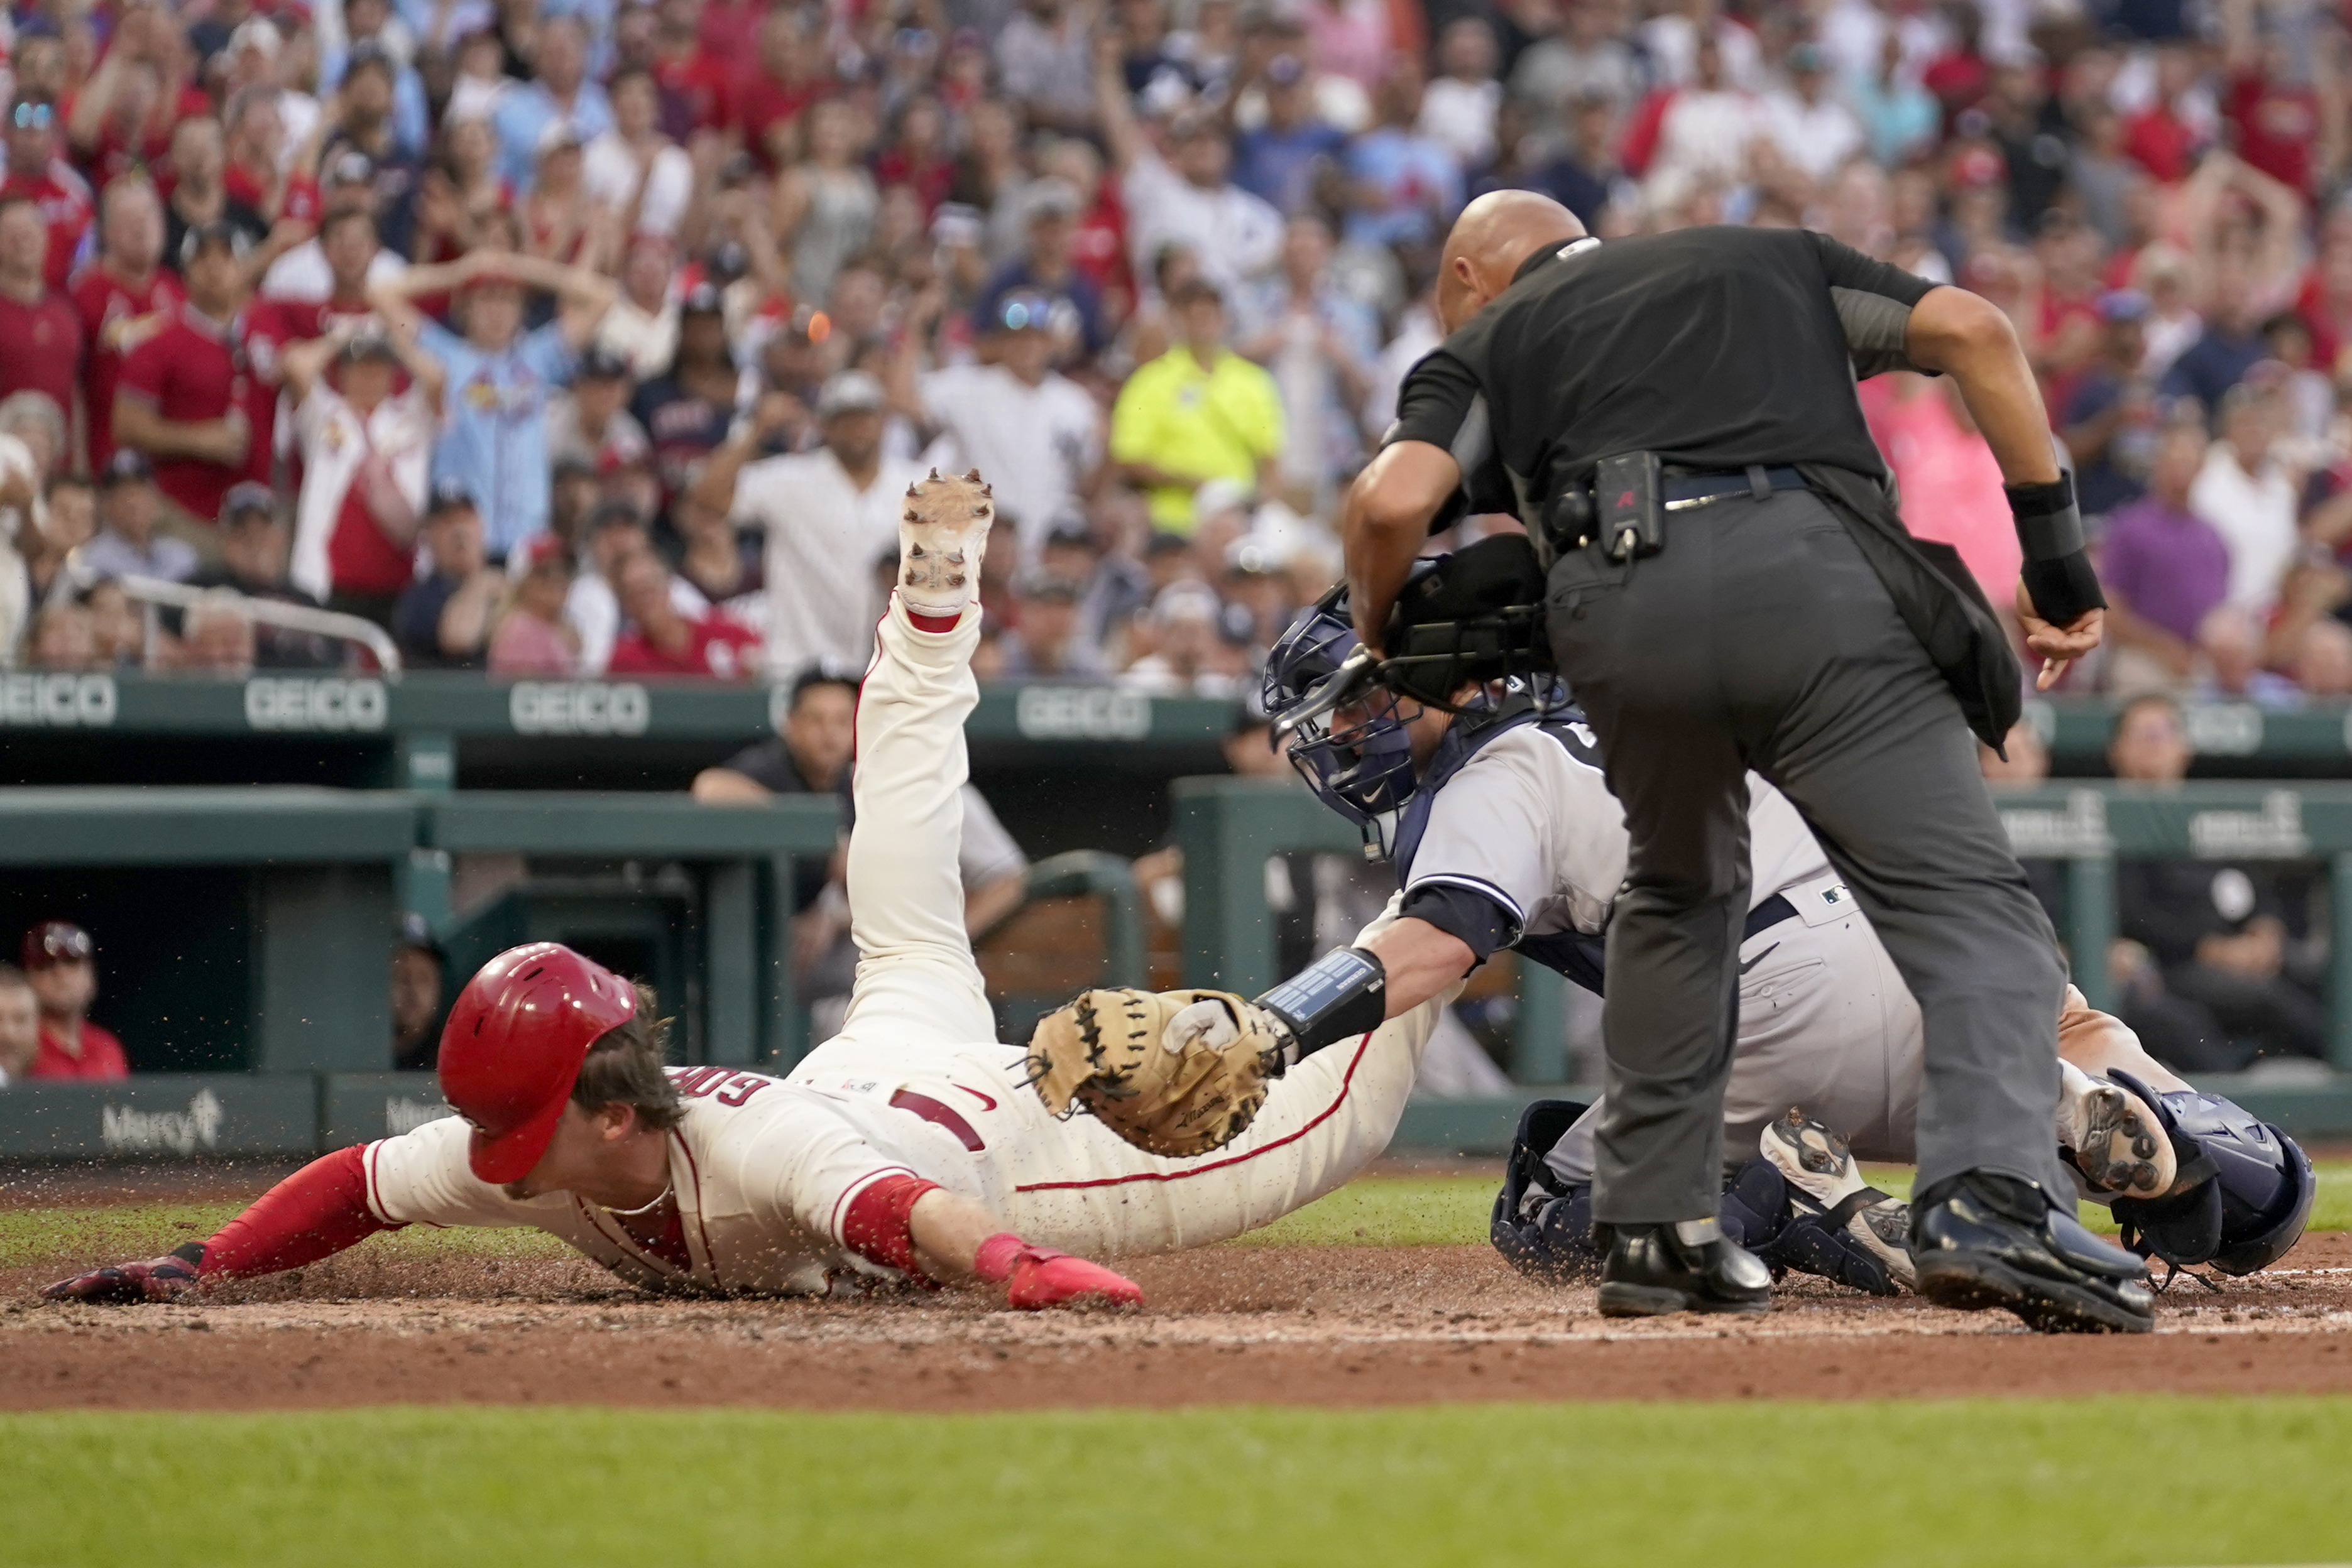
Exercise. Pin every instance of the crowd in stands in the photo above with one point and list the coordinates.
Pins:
(567, 337)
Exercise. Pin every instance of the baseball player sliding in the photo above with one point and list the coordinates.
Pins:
(911, 1147)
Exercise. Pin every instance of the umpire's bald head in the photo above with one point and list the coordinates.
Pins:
(1491, 241)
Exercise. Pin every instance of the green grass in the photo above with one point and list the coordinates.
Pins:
(2016, 1484)
(1373, 1212)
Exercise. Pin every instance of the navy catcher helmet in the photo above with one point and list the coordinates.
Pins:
(1360, 767)
(2253, 1200)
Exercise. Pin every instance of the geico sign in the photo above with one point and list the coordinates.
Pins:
(294, 702)
(59, 702)
(578, 708)
(1082, 713)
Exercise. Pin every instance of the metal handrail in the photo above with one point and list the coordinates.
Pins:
(333, 624)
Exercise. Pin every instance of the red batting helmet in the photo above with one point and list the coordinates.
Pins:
(513, 1046)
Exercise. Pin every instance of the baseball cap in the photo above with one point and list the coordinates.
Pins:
(368, 52)
(2122, 305)
(1807, 57)
(1049, 585)
(256, 33)
(1978, 167)
(1284, 70)
(609, 514)
(560, 133)
(600, 364)
(247, 499)
(449, 496)
(1216, 496)
(417, 935)
(128, 465)
(546, 549)
(702, 300)
(228, 236)
(55, 942)
(1052, 197)
(851, 391)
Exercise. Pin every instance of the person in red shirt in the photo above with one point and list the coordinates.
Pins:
(769, 96)
(60, 960)
(41, 335)
(121, 297)
(660, 641)
(189, 396)
(695, 85)
(37, 173)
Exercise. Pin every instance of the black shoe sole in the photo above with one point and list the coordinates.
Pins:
(1619, 1299)
(1969, 1282)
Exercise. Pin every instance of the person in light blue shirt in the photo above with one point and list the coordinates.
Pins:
(501, 379)
(561, 92)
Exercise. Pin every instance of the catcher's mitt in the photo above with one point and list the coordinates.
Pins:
(1173, 1072)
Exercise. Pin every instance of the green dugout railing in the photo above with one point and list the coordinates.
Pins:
(326, 874)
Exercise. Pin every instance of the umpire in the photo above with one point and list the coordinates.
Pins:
(1731, 588)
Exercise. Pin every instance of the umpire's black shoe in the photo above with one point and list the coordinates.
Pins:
(1982, 1239)
(1686, 1267)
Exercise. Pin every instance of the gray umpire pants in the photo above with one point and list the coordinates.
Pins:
(1759, 637)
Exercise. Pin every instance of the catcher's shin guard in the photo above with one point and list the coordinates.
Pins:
(1542, 1226)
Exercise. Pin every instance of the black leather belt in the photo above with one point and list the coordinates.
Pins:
(1567, 521)
(1768, 914)
(1684, 491)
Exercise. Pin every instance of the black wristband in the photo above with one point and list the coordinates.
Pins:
(1343, 993)
(2048, 523)
(191, 1253)
(2064, 589)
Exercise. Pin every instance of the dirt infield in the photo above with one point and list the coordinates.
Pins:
(1309, 1325)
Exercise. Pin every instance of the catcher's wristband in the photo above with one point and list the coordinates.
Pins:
(1343, 993)
(2057, 567)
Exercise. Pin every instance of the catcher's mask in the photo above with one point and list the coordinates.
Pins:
(1357, 758)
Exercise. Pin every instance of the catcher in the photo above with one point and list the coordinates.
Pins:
(911, 1147)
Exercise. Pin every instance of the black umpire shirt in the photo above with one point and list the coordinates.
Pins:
(1714, 348)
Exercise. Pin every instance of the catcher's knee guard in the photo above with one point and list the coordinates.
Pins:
(1541, 1225)
(2243, 1194)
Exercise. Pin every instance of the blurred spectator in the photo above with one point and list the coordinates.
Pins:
(827, 514)
(1033, 434)
(2216, 931)
(559, 93)
(20, 1025)
(2248, 498)
(62, 638)
(1044, 60)
(616, 531)
(1047, 270)
(418, 964)
(217, 638)
(1403, 188)
(40, 176)
(367, 449)
(335, 269)
(2233, 646)
(632, 169)
(1047, 643)
(2109, 419)
(118, 627)
(826, 203)
(1199, 412)
(1289, 158)
(60, 960)
(123, 296)
(40, 332)
(724, 566)
(657, 640)
(810, 754)
(1319, 345)
(1191, 655)
(1459, 105)
(1585, 61)
(67, 521)
(531, 635)
(128, 544)
(591, 423)
(2230, 345)
(442, 620)
(255, 552)
(1185, 200)
(187, 396)
(685, 411)
(2321, 663)
(1806, 123)
(494, 442)
(198, 199)
(2164, 569)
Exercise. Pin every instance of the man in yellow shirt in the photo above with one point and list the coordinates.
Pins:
(1199, 412)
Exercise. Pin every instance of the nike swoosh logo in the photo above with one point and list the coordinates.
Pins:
(1759, 957)
(992, 1104)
